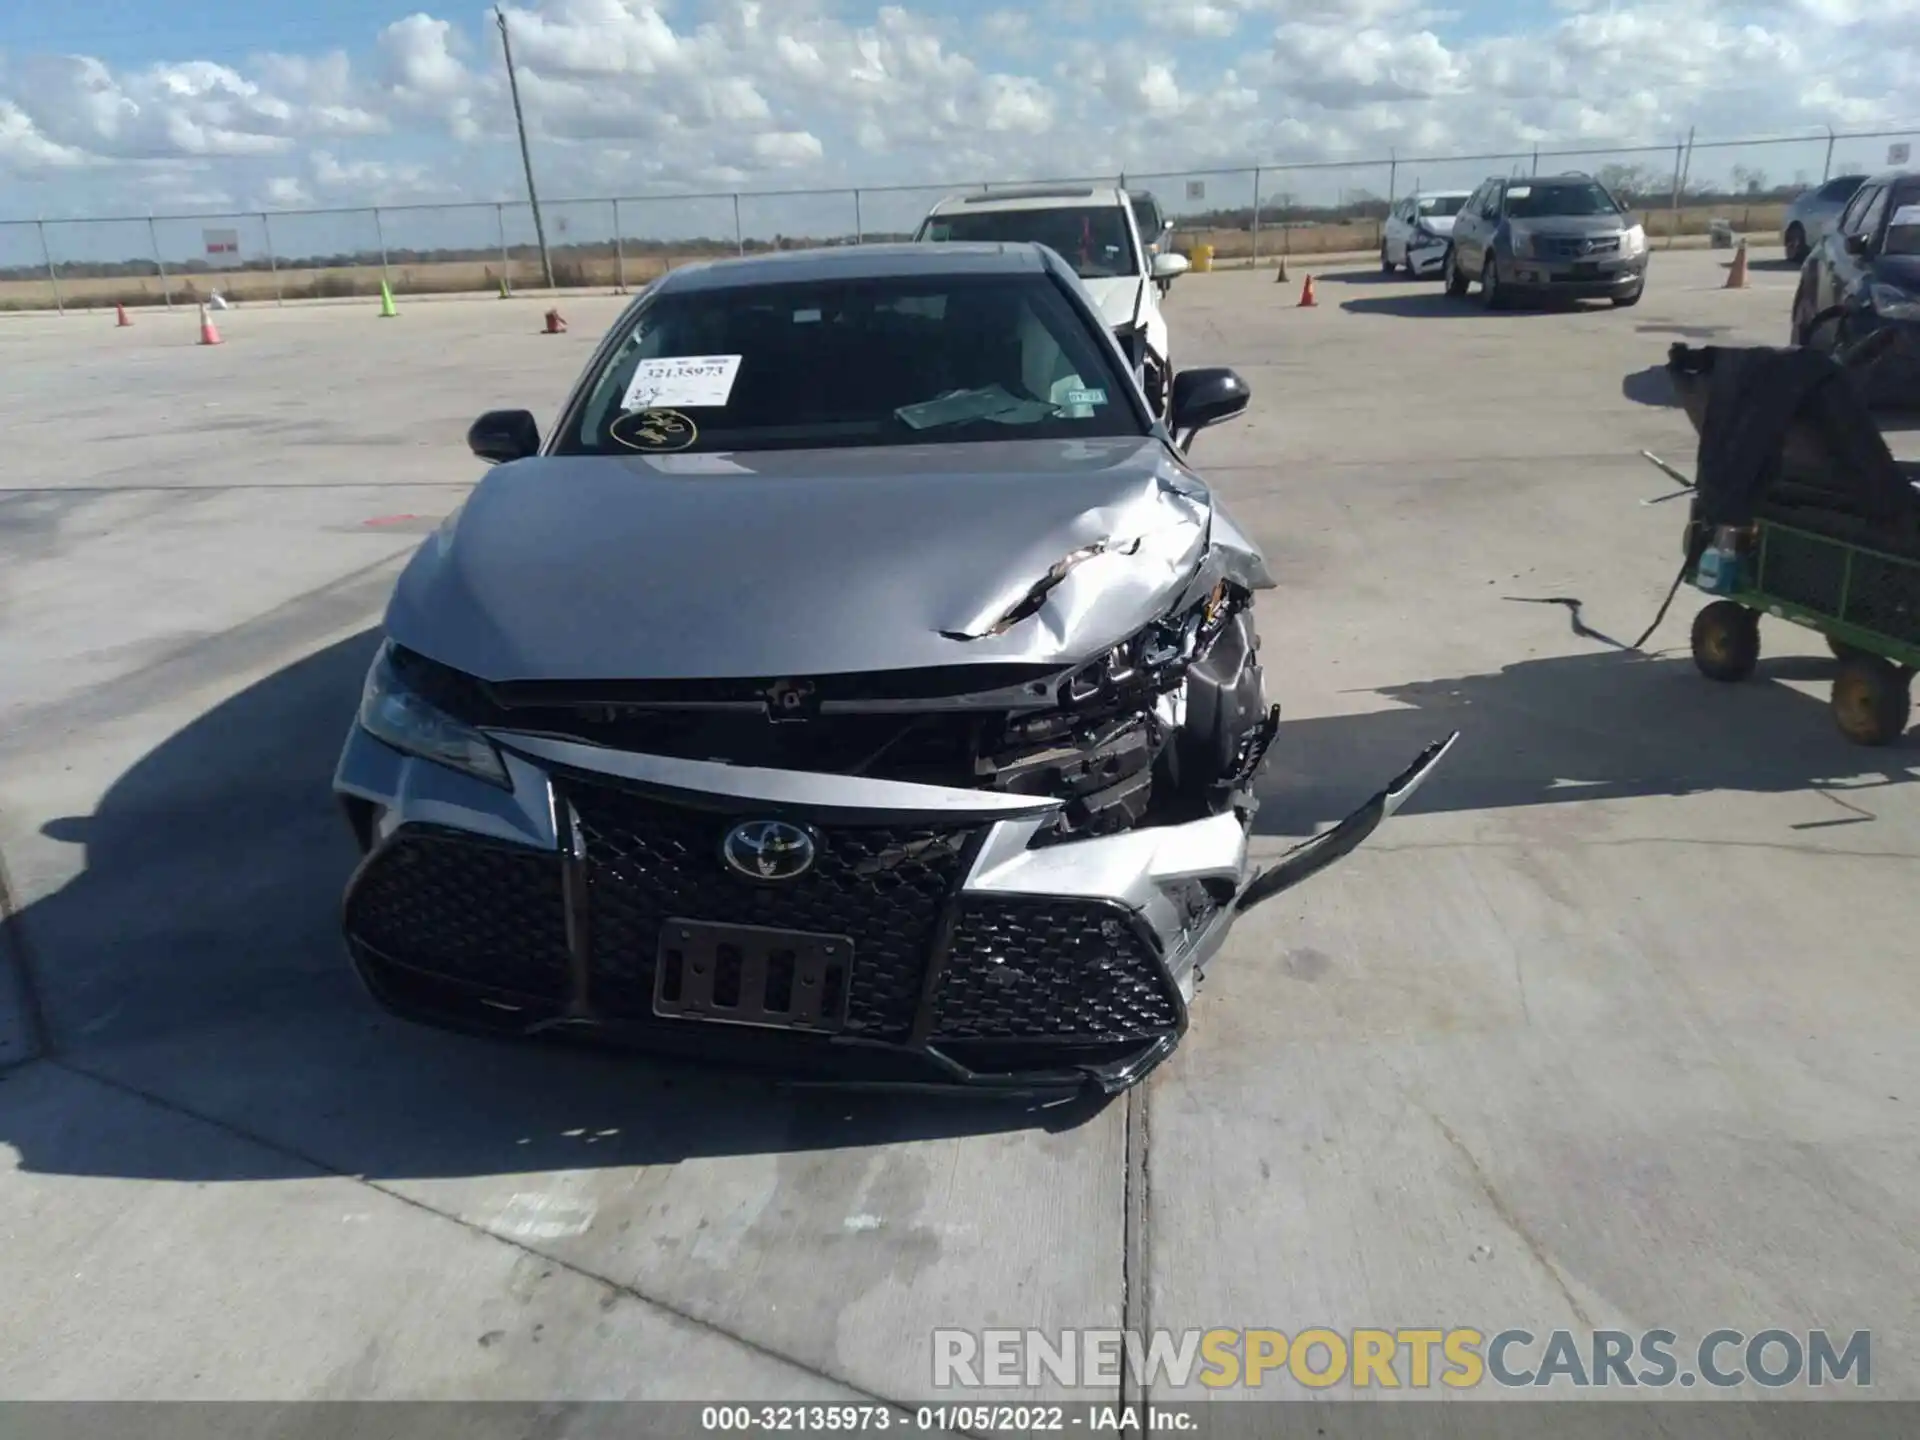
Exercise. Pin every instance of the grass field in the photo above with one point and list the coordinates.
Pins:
(584, 268)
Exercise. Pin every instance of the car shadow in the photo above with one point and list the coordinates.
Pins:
(196, 960)
(1438, 304)
(1601, 725)
(1373, 276)
(1685, 332)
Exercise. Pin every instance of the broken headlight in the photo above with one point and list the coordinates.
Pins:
(1148, 656)
(394, 713)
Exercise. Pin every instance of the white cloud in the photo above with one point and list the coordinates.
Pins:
(286, 192)
(645, 95)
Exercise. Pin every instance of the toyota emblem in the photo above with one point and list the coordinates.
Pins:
(768, 850)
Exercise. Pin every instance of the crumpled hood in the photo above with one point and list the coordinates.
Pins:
(1441, 225)
(1120, 298)
(799, 563)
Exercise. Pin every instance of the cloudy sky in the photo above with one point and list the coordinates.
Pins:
(175, 105)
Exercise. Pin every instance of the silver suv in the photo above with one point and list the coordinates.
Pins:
(1541, 235)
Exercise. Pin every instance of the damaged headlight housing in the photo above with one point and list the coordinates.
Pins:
(1144, 655)
(395, 714)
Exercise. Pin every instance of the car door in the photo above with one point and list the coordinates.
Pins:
(1842, 276)
(1481, 216)
(1400, 232)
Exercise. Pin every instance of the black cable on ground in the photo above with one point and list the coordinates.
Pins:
(1665, 604)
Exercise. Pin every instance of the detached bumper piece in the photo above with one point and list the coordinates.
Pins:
(1310, 857)
(872, 969)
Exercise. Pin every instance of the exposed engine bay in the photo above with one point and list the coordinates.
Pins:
(1168, 727)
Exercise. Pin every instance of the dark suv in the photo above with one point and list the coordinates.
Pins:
(1544, 235)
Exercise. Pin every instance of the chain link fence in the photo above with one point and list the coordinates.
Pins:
(1249, 215)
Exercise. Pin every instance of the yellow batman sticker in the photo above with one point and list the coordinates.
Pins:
(655, 431)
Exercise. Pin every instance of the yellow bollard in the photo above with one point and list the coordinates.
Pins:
(1202, 259)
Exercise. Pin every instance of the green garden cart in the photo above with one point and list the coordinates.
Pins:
(1800, 512)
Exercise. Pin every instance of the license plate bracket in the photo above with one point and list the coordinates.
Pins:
(752, 975)
(1586, 270)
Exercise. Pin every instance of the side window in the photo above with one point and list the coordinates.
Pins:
(1851, 216)
(1869, 220)
(1471, 207)
(1838, 189)
(1490, 203)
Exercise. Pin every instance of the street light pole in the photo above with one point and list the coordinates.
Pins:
(526, 155)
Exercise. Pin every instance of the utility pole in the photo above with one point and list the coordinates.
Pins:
(526, 155)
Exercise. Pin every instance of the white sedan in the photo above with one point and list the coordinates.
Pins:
(1418, 230)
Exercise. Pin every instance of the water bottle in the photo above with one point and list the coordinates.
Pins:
(1719, 570)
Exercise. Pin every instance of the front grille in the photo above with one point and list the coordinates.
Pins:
(1561, 247)
(1029, 968)
(649, 861)
(486, 915)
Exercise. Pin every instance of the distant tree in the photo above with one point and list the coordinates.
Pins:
(1629, 182)
(1748, 180)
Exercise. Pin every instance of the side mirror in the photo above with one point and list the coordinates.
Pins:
(502, 435)
(1856, 244)
(1167, 265)
(1205, 397)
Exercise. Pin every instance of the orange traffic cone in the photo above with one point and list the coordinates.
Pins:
(208, 335)
(121, 321)
(1737, 272)
(555, 325)
(1306, 293)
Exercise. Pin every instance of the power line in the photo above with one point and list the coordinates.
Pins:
(526, 155)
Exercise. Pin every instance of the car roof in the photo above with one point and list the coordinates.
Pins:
(1889, 177)
(1437, 194)
(899, 260)
(1571, 177)
(1033, 197)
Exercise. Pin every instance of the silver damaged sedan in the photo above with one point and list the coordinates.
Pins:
(856, 683)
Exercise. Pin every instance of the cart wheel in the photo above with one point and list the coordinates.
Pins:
(1726, 641)
(1872, 699)
(1841, 650)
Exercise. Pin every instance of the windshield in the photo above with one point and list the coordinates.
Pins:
(854, 363)
(1094, 240)
(1540, 199)
(1440, 206)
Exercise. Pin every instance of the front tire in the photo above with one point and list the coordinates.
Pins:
(1803, 313)
(1726, 641)
(1796, 242)
(1456, 282)
(1387, 267)
(1493, 294)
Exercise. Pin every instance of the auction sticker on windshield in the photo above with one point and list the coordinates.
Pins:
(689, 381)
